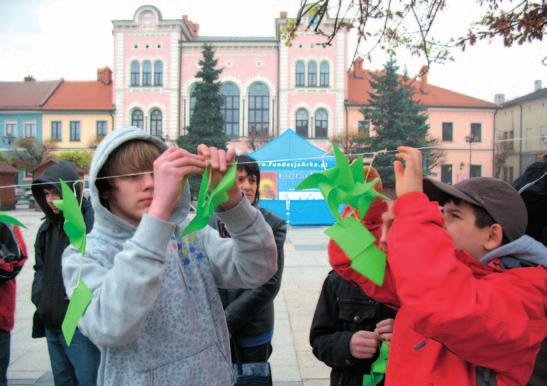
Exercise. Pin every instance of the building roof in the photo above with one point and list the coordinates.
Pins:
(26, 95)
(81, 95)
(5, 168)
(538, 94)
(429, 95)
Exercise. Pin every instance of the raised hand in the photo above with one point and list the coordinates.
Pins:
(169, 170)
(384, 329)
(219, 161)
(363, 344)
(408, 178)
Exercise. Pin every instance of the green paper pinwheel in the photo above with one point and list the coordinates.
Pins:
(208, 201)
(74, 225)
(6, 218)
(378, 368)
(345, 184)
(80, 299)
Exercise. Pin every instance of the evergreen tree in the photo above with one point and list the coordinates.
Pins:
(398, 120)
(206, 122)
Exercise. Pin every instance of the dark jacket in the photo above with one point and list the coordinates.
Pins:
(342, 310)
(13, 255)
(50, 243)
(251, 312)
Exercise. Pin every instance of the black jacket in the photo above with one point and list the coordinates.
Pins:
(342, 310)
(250, 312)
(48, 290)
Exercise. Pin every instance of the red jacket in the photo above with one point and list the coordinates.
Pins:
(7, 287)
(455, 314)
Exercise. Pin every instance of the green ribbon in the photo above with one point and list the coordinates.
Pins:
(6, 218)
(378, 368)
(345, 184)
(74, 225)
(208, 201)
(80, 299)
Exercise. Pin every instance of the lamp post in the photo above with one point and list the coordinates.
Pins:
(470, 139)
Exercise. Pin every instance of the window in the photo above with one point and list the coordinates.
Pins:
(302, 122)
(259, 110)
(300, 74)
(321, 123)
(147, 73)
(324, 74)
(230, 108)
(74, 131)
(56, 131)
(137, 118)
(192, 99)
(363, 127)
(446, 173)
(447, 131)
(155, 123)
(30, 129)
(312, 74)
(10, 128)
(135, 73)
(476, 132)
(508, 174)
(101, 128)
(158, 73)
(476, 171)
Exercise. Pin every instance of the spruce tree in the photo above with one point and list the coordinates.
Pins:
(397, 118)
(206, 122)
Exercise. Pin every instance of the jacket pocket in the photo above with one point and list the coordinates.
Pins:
(357, 313)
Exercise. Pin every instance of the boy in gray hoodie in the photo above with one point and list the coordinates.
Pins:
(155, 314)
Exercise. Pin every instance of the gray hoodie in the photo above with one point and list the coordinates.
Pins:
(156, 315)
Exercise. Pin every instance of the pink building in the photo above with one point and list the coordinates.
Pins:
(269, 87)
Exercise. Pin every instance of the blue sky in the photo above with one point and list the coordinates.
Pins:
(70, 39)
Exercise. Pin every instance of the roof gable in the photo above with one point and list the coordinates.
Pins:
(26, 95)
(81, 95)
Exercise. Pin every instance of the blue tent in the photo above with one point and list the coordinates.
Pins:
(284, 162)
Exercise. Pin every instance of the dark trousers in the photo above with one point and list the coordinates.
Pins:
(5, 338)
(74, 365)
(259, 353)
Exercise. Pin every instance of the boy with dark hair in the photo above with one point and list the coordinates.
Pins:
(76, 364)
(155, 314)
(465, 317)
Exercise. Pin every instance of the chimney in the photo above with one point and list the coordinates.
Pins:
(358, 68)
(104, 75)
(283, 15)
(499, 99)
(537, 85)
(196, 29)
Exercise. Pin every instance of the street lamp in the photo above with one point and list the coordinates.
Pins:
(470, 139)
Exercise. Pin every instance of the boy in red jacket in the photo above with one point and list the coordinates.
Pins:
(464, 318)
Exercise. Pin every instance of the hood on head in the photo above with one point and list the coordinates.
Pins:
(110, 143)
(60, 169)
(523, 248)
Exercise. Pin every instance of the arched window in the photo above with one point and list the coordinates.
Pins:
(312, 74)
(156, 123)
(300, 73)
(158, 73)
(259, 110)
(230, 108)
(321, 123)
(302, 122)
(135, 73)
(324, 74)
(146, 73)
(137, 118)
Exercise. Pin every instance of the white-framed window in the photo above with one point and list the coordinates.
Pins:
(10, 128)
(56, 131)
(30, 129)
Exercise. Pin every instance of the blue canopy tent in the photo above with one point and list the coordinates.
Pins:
(285, 162)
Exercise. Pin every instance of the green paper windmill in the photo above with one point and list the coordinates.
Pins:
(6, 218)
(378, 368)
(75, 230)
(208, 201)
(345, 184)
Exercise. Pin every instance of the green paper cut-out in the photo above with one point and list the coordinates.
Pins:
(208, 202)
(345, 184)
(378, 368)
(80, 299)
(6, 218)
(74, 225)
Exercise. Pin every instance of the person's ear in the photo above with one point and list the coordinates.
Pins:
(495, 237)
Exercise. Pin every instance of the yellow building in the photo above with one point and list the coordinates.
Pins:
(79, 114)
